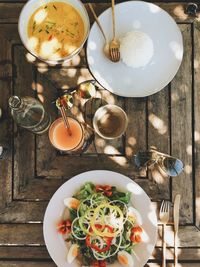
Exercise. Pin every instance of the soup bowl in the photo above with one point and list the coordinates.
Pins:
(31, 6)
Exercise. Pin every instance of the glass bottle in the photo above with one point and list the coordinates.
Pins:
(30, 114)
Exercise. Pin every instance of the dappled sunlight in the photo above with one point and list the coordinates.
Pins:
(180, 12)
(41, 97)
(50, 49)
(84, 75)
(122, 161)
(150, 249)
(98, 94)
(196, 64)
(65, 87)
(189, 150)
(39, 89)
(188, 169)
(174, 97)
(129, 151)
(154, 8)
(132, 141)
(90, 60)
(32, 43)
(30, 58)
(111, 150)
(144, 236)
(68, 72)
(100, 142)
(76, 60)
(40, 16)
(108, 97)
(158, 124)
(136, 24)
(184, 88)
(42, 67)
(77, 113)
(92, 45)
(150, 215)
(196, 136)
(177, 50)
(169, 236)
(158, 175)
(198, 207)
(134, 188)
(104, 83)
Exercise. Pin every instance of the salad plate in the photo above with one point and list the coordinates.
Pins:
(167, 52)
(138, 199)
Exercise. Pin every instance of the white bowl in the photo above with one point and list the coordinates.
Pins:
(32, 5)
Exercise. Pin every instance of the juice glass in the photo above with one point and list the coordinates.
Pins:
(62, 140)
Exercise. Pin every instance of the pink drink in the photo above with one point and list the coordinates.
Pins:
(60, 137)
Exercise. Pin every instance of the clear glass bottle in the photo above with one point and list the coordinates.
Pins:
(30, 114)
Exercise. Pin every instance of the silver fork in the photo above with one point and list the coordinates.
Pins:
(114, 45)
(164, 218)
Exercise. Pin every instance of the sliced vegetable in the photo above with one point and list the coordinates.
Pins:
(136, 234)
(64, 227)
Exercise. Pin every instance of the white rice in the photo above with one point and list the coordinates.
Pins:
(136, 49)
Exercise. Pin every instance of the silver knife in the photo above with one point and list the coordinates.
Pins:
(176, 226)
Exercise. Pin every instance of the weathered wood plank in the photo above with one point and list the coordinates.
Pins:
(159, 135)
(24, 253)
(181, 125)
(185, 254)
(51, 264)
(23, 83)
(197, 119)
(39, 189)
(46, 93)
(23, 212)
(136, 135)
(65, 78)
(10, 12)
(5, 123)
(188, 236)
(27, 263)
(27, 234)
(183, 264)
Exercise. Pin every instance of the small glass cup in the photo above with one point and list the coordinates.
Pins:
(60, 138)
(110, 121)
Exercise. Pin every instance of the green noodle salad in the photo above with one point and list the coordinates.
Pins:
(102, 226)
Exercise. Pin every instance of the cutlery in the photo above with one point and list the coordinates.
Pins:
(114, 44)
(176, 226)
(164, 218)
(106, 45)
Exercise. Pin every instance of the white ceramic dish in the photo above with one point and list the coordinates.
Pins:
(32, 5)
(167, 42)
(54, 242)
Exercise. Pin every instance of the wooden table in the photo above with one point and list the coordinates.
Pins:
(169, 120)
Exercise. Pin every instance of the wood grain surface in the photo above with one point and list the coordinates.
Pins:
(33, 170)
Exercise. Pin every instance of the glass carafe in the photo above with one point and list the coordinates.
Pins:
(30, 114)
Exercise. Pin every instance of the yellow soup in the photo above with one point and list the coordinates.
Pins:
(55, 30)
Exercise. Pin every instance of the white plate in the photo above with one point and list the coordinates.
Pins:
(168, 50)
(139, 199)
